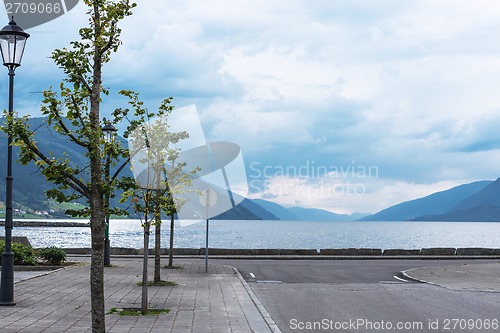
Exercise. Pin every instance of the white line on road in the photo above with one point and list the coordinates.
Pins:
(400, 279)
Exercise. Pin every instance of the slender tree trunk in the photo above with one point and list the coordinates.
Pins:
(96, 193)
(144, 300)
(97, 275)
(157, 275)
(171, 245)
(97, 221)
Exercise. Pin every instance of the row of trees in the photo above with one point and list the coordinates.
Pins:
(158, 177)
(73, 111)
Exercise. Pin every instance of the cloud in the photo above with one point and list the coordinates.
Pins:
(409, 87)
(344, 195)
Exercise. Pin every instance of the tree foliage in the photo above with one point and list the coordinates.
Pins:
(73, 111)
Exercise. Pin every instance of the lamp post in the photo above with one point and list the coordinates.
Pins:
(12, 42)
(109, 135)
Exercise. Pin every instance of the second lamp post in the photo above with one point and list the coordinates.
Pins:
(109, 132)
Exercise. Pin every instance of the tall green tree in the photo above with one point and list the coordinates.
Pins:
(73, 111)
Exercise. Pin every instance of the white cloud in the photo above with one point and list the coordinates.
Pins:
(345, 196)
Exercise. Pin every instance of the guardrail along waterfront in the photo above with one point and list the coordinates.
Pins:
(360, 252)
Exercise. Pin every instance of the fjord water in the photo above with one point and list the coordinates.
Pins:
(282, 234)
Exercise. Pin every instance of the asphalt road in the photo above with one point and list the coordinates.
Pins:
(364, 296)
(332, 271)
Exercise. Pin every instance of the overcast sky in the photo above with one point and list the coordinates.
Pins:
(349, 106)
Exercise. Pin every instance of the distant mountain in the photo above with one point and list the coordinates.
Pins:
(357, 216)
(278, 211)
(488, 196)
(247, 210)
(475, 214)
(29, 185)
(483, 206)
(434, 204)
(258, 210)
(304, 214)
(313, 214)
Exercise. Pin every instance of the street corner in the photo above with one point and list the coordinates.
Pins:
(466, 277)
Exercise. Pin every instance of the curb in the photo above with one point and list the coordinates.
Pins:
(302, 257)
(22, 268)
(410, 277)
(40, 273)
(267, 317)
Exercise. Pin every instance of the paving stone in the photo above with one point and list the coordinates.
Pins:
(60, 301)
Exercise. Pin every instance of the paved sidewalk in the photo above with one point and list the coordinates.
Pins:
(60, 301)
(475, 277)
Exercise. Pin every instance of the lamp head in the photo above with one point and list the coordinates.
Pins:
(109, 132)
(12, 42)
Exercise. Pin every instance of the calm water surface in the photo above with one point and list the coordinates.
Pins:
(282, 234)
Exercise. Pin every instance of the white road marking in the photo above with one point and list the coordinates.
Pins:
(252, 275)
(400, 279)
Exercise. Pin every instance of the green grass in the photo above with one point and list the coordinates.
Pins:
(62, 206)
(137, 312)
(159, 284)
(24, 216)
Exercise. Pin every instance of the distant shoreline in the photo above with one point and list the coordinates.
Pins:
(62, 223)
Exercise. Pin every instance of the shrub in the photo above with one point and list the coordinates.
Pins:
(53, 255)
(23, 255)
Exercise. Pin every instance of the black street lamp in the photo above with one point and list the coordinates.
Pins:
(109, 135)
(12, 42)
